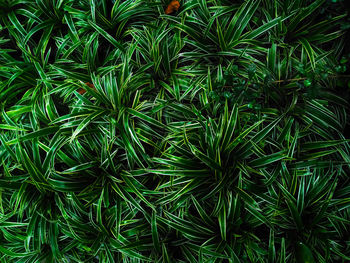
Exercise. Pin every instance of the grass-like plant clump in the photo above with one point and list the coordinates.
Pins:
(200, 131)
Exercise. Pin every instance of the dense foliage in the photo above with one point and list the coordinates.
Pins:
(216, 133)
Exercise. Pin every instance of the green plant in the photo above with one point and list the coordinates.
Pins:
(214, 134)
